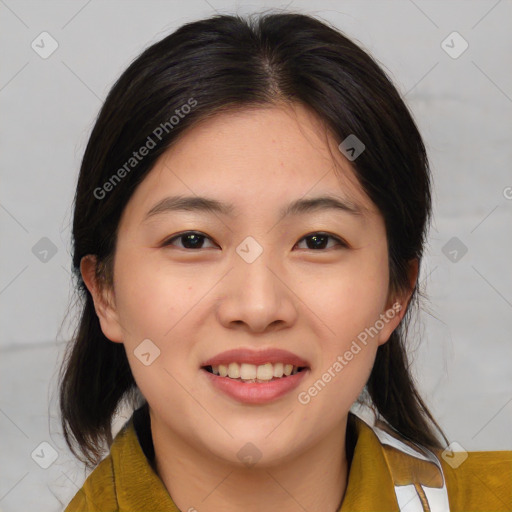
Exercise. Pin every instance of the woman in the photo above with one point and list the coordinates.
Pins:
(249, 224)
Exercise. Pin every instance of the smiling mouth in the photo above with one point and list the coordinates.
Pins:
(251, 373)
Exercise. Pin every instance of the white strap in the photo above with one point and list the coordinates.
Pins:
(420, 495)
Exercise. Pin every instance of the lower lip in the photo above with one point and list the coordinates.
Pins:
(254, 392)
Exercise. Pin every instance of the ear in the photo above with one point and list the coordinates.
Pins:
(103, 297)
(396, 306)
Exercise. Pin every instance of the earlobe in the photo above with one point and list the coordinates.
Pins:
(397, 308)
(104, 303)
(390, 318)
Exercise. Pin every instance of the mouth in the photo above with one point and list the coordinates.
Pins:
(255, 384)
(251, 373)
(255, 376)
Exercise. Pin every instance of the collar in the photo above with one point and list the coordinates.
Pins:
(138, 487)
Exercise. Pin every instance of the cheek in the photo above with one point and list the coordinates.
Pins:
(351, 296)
(163, 303)
(348, 303)
(150, 298)
(151, 305)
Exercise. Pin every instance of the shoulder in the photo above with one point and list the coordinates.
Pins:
(468, 480)
(124, 480)
(98, 492)
(478, 480)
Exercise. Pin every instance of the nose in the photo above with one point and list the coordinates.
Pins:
(255, 297)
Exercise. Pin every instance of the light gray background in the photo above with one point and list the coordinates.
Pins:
(462, 353)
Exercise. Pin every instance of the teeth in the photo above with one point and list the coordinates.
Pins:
(265, 372)
(233, 371)
(278, 370)
(247, 371)
(250, 372)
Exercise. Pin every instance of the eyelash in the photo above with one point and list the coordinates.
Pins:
(339, 241)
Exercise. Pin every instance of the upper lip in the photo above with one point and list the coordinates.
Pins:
(256, 357)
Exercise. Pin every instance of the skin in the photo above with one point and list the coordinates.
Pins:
(195, 303)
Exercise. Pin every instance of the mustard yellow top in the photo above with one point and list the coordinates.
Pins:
(125, 482)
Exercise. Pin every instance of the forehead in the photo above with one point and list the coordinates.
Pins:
(254, 158)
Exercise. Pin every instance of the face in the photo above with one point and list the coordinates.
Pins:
(245, 270)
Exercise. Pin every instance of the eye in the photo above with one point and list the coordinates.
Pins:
(319, 241)
(189, 240)
(195, 240)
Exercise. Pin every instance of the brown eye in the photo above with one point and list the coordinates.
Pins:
(320, 241)
(188, 240)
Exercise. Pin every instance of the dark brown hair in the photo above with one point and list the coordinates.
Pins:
(218, 64)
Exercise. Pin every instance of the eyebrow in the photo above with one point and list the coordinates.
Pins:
(210, 205)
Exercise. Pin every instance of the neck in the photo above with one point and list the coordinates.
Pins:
(314, 481)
